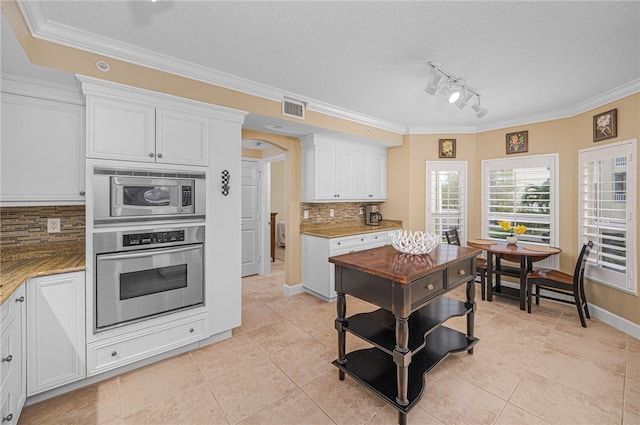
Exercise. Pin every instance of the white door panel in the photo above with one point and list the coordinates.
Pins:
(250, 217)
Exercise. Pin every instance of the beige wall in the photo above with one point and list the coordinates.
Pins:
(278, 190)
(566, 136)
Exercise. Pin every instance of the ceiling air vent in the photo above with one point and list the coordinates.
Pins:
(293, 108)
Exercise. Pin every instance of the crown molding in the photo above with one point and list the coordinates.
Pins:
(17, 84)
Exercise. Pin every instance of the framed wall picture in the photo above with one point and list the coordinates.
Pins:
(605, 125)
(447, 148)
(518, 142)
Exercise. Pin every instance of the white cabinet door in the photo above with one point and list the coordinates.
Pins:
(55, 331)
(181, 138)
(13, 375)
(20, 344)
(378, 177)
(42, 154)
(345, 186)
(325, 178)
(119, 129)
(362, 175)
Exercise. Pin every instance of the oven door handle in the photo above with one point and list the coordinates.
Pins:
(148, 253)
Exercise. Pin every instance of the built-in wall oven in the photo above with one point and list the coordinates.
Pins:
(130, 196)
(147, 272)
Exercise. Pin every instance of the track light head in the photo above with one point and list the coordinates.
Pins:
(480, 110)
(464, 99)
(434, 85)
(451, 94)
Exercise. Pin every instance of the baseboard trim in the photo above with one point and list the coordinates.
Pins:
(614, 320)
(290, 290)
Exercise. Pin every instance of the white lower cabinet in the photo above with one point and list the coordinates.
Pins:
(318, 275)
(55, 331)
(13, 388)
(128, 348)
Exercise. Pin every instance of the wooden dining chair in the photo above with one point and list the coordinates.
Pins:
(481, 264)
(563, 283)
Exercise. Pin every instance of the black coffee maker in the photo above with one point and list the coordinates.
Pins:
(371, 215)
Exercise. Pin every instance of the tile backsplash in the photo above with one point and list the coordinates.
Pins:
(344, 213)
(21, 226)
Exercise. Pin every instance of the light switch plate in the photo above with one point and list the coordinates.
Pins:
(305, 214)
(53, 225)
(332, 213)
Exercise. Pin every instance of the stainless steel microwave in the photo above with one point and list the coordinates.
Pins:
(131, 196)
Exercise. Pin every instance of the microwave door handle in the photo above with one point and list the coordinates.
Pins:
(147, 253)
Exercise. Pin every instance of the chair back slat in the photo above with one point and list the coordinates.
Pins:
(578, 274)
(452, 236)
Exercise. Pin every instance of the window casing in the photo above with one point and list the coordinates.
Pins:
(607, 178)
(446, 197)
(522, 190)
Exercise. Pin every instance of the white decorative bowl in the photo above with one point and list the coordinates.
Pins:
(414, 243)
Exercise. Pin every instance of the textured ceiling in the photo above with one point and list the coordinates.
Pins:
(529, 60)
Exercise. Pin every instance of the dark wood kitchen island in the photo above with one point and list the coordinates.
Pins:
(407, 330)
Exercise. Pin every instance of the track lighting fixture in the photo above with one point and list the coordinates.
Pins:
(454, 89)
(479, 109)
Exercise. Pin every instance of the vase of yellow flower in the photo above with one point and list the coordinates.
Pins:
(514, 231)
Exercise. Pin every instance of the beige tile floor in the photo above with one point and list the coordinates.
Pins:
(541, 368)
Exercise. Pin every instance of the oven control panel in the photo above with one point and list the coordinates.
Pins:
(135, 239)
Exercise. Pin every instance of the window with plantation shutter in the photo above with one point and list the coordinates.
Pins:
(446, 197)
(607, 199)
(522, 191)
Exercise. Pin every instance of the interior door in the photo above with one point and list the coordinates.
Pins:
(250, 218)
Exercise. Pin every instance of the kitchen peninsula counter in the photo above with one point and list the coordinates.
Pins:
(18, 264)
(333, 230)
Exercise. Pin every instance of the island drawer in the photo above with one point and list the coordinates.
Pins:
(459, 273)
(427, 288)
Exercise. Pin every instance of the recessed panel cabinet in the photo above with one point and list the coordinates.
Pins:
(13, 375)
(42, 159)
(55, 331)
(334, 171)
(124, 124)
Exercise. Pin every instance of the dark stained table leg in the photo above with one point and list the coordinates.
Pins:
(471, 303)
(402, 358)
(523, 280)
(402, 418)
(489, 276)
(341, 306)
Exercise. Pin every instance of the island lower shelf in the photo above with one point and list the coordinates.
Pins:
(376, 370)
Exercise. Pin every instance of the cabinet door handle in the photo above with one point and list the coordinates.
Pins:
(8, 418)
(339, 243)
(82, 193)
(114, 353)
(430, 286)
(20, 300)
(7, 359)
(191, 330)
(159, 155)
(150, 154)
(462, 272)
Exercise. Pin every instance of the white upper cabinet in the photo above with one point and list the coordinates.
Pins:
(129, 124)
(340, 171)
(42, 153)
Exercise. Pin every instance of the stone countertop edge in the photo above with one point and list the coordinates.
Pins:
(19, 264)
(332, 230)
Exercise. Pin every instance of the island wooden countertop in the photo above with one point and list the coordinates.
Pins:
(18, 264)
(386, 262)
(327, 230)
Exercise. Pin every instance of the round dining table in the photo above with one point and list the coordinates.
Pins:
(525, 253)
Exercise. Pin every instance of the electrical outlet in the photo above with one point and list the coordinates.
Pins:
(305, 214)
(361, 211)
(332, 213)
(53, 225)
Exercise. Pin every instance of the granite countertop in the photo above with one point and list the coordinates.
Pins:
(332, 230)
(18, 264)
